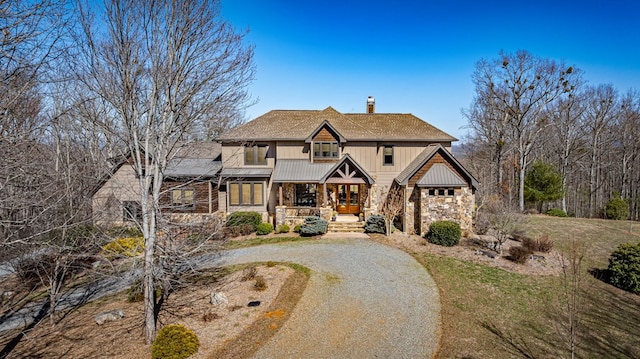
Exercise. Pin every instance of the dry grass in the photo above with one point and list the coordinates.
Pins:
(490, 310)
(233, 326)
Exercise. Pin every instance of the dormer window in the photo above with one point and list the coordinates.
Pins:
(255, 155)
(325, 149)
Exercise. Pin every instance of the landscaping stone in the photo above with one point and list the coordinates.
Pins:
(109, 316)
(219, 299)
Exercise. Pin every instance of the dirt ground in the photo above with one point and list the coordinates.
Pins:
(76, 335)
(470, 250)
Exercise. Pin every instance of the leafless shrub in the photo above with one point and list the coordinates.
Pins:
(248, 274)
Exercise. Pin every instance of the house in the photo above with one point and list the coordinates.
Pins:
(287, 164)
(190, 187)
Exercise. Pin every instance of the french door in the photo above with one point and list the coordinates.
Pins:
(348, 197)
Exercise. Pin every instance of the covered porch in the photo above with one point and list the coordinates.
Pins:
(320, 189)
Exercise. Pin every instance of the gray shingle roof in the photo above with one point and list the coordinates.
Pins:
(192, 167)
(299, 124)
(300, 171)
(439, 175)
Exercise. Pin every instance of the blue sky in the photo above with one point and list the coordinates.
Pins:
(418, 56)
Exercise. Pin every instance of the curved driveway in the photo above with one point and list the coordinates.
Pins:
(363, 300)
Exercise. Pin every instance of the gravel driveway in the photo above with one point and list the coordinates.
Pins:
(363, 300)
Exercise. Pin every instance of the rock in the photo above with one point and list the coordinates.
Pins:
(109, 316)
(489, 254)
(218, 299)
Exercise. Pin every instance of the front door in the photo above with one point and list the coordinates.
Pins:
(348, 196)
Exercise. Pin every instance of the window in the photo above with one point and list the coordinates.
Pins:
(442, 192)
(131, 211)
(387, 155)
(325, 149)
(305, 195)
(183, 198)
(246, 193)
(255, 155)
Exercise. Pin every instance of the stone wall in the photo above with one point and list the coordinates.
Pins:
(457, 208)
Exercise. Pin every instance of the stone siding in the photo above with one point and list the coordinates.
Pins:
(457, 208)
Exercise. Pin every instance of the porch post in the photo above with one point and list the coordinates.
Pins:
(280, 195)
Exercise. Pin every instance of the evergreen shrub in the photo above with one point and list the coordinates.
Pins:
(375, 224)
(624, 267)
(175, 341)
(616, 208)
(444, 233)
(556, 212)
(313, 226)
(244, 218)
(264, 228)
(282, 228)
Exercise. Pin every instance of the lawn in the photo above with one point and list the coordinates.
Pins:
(491, 313)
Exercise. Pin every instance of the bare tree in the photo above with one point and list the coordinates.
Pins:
(393, 206)
(163, 69)
(571, 300)
(520, 86)
(503, 220)
(599, 114)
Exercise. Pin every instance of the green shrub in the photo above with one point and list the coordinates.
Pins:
(296, 229)
(444, 233)
(616, 208)
(375, 224)
(519, 254)
(264, 228)
(174, 341)
(624, 267)
(127, 246)
(283, 228)
(556, 212)
(313, 226)
(244, 218)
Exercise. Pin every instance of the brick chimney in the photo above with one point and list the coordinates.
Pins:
(371, 104)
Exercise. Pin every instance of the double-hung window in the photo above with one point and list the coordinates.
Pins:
(246, 193)
(255, 155)
(325, 149)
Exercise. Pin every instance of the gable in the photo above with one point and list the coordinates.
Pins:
(347, 171)
(441, 175)
(414, 173)
(325, 132)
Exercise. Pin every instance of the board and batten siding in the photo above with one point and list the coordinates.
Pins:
(107, 201)
(292, 150)
(233, 155)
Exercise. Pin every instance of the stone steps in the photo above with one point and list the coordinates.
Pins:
(336, 227)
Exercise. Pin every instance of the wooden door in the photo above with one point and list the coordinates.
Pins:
(348, 197)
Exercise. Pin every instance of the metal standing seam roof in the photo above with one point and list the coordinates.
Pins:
(300, 171)
(423, 157)
(439, 175)
(246, 172)
(192, 167)
(416, 164)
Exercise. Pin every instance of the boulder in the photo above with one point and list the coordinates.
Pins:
(219, 299)
(109, 316)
